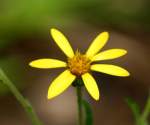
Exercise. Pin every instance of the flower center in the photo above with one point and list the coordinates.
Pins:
(79, 64)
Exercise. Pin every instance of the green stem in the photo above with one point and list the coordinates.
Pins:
(146, 110)
(24, 102)
(79, 99)
(88, 112)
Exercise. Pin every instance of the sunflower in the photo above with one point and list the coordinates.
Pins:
(80, 65)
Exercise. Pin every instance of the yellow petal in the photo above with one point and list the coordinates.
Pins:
(97, 44)
(61, 83)
(109, 54)
(110, 69)
(62, 42)
(91, 85)
(47, 63)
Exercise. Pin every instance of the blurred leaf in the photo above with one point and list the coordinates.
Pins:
(13, 68)
(20, 98)
(88, 113)
(146, 110)
(27, 17)
(140, 117)
(4, 43)
(134, 107)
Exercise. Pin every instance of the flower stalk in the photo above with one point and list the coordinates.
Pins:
(23, 101)
(79, 100)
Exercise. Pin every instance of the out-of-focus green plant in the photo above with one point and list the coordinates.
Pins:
(5, 81)
(141, 118)
(12, 65)
(22, 100)
(27, 17)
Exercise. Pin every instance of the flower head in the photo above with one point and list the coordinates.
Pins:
(80, 65)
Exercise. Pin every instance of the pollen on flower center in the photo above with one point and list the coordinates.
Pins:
(79, 64)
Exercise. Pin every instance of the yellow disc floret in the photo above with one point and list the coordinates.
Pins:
(79, 64)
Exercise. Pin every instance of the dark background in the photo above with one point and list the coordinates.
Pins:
(24, 36)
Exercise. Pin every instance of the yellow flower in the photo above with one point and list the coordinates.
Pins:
(80, 65)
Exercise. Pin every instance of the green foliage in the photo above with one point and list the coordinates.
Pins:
(19, 97)
(141, 118)
(25, 17)
(13, 68)
(134, 108)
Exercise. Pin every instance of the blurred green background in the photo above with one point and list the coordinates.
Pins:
(24, 36)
